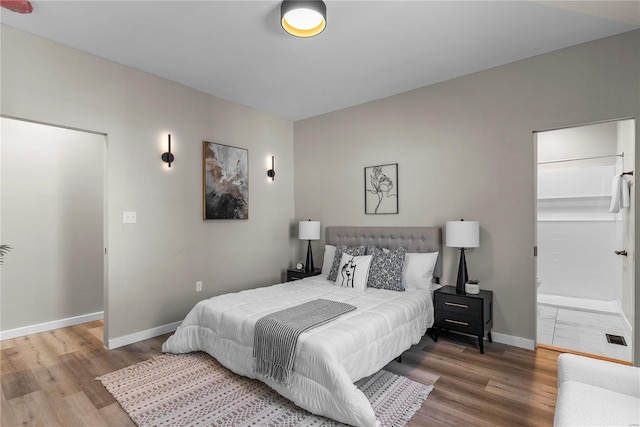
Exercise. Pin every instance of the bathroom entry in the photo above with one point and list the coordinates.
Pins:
(585, 228)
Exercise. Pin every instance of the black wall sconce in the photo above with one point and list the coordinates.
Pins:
(168, 157)
(271, 173)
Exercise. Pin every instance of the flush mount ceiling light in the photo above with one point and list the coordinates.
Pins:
(303, 18)
(19, 6)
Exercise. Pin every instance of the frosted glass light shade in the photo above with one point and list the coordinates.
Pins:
(303, 18)
(309, 230)
(463, 234)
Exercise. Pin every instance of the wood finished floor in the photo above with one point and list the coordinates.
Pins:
(48, 380)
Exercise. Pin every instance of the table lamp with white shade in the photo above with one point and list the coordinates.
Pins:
(462, 234)
(309, 230)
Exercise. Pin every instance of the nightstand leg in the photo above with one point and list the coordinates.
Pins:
(436, 331)
(481, 343)
(489, 336)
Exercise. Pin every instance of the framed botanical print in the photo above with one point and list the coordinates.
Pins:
(225, 181)
(381, 189)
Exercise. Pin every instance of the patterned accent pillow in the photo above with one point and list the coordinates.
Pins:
(386, 268)
(357, 251)
(353, 271)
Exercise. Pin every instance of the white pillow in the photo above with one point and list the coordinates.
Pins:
(417, 272)
(353, 271)
(327, 261)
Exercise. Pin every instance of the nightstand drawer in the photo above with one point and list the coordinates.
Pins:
(456, 304)
(459, 322)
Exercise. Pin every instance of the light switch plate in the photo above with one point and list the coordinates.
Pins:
(129, 217)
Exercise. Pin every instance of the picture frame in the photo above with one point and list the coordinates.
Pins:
(225, 181)
(381, 189)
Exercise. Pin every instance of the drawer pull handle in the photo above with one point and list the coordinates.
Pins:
(457, 322)
(453, 304)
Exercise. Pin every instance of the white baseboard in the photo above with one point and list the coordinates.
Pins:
(514, 341)
(49, 326)
(142, 335)
(171, 327)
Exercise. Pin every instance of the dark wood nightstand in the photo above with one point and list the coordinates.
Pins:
(470, 314)
(294, 274)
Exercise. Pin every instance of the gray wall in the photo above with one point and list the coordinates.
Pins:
(52, 190)
(153, 265)
(465, 150)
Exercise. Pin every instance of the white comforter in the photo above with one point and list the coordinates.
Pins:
(329, 358)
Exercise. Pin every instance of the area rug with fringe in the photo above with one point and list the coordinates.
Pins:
(195, 390)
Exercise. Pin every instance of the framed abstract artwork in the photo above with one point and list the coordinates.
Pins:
(225, 181)
(381, 189)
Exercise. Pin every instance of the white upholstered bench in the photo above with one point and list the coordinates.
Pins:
(594, 392)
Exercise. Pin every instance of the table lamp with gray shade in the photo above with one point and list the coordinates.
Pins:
(462, 234)
(309, 230)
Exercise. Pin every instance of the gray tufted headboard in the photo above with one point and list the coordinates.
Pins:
(413, 239)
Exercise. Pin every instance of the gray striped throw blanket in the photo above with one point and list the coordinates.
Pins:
(276, 335)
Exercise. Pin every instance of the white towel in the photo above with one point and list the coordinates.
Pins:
(619, 194)
(624, 197)
(616, 191)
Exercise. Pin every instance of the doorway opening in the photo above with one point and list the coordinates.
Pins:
(584, 236)
(52, 214)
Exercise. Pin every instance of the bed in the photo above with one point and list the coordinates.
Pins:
(331, 357)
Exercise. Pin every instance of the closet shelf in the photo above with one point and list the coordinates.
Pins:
(585, 197)
(590, 219)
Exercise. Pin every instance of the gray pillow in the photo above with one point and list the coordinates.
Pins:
(385, 271)
(357, 251)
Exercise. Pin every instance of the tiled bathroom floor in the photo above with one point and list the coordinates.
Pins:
(582, 331)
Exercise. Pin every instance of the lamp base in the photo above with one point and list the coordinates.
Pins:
(308, 267)
(462, 273)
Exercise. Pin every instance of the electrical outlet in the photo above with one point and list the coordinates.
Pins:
(129, 217)
(198, 286)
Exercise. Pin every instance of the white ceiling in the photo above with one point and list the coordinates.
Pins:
(370, 49)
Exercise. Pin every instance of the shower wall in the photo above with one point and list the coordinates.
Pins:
(577, 236)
